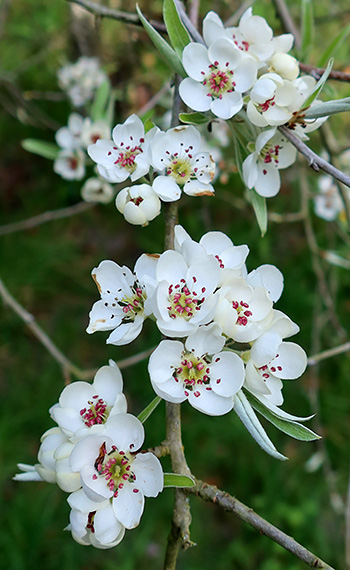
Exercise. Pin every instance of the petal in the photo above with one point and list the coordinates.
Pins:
(207, 401)
(269, 182)
(129, 133)
(126, 431)
(149, 474)
(164, 360)
(126, 332)
(223, 50)
(245, 74)
(228, 106)
(250, 170)
(195, 95)
(107, 528)
(269, 277)
(166, 188)
(170, 391)
(195, 61)
(226, 374)
(206, 340)
(196, 188)
(108, 383)
(290, 362)
(128, 505)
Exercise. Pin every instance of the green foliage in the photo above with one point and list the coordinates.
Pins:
(177, 33)
(41, 148)
(176, 480)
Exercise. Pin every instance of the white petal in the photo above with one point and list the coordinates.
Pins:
(164, 360)
(290, 363)
(128, 505)
(149, 474)
(195, 61)
(226, 373)
(269, 182)
(107, 528)
(207, 401)
(195, 95)
(228, 106)
(166, 188)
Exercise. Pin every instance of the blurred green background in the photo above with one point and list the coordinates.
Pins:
(47, 269)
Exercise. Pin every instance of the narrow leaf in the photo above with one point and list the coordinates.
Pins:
(333, 46)
(169, 55)
(307, 28)
(260, 209)
(178, 35)
(319, 85)
(42, 148)
(149, 409)
(176, 480)
(193, 118)
(326, 108)
(100, 103)
(247, 416)
(279, 413)
(294, 429)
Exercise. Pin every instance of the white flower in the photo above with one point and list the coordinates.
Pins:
(327, 203)
(124, 300)
(184, 296)
(92, 131)
(253, 35)
(270, 101)
(230, 258)
(198, 371)
(69, 138)
(94, 522)
(218, 76)
(180, 153)
(285, 65)
(270, 278)
(243, 312)
(261, 168)
(139, 204)
(70, 164)
(110, 469)
(81, 79)
(126, 155)
(83, 407)
(97, 190)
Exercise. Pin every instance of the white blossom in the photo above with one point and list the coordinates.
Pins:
(69, 137)
(92, 131)
(198, 371)
(70, 164)
(139, 204)
(327, 202)
(97, 190)
(81, 79)
(270, 101)
(179, 154)
(218, 76)
(261, 168)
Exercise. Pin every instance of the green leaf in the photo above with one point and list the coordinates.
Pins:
(319, 85)
(260, 209)
(42, 148)
(178, 35)
(307, 28)
(294, 429)
(325, 108)
(100, 104)
(175, 480)
(149, 409)
(170, 56)
(333, 46)
(246, 414)
(193, 118)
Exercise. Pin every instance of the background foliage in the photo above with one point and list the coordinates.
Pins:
(48, 270)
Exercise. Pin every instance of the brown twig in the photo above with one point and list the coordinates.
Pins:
(233, 505)
(317, 72)
(287, 21)
(316, 358)
(30, 223)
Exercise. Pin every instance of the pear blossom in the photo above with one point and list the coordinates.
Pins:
(139, 204)
(111, 469)
(197, 371)
(261, 168)
(218, 76)
(270, 99)
(327, 203)
(83, 407)
(285, 65)
(253, 35)
(92, 131)
(69, 137)
(125, 299)
(97, 190)
(126, 155)
(184, 297)
(179, 152)
(81, 79)
(270, 278)
(94, 522)
(70, 164)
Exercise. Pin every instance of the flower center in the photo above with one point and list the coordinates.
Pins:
(265, 372)
(269, 154)
(219, 81)
(193, 371)
(137, 201)
(115, 468)
(127, 159)
(180, 169)
(262, 107)
(183, 302)
(243, 45)
(90, 523)
(97, 413)
(243, 311)
(72, 163)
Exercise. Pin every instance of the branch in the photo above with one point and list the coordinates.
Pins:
(104, 12)
(231, 504)
(287, 21)
(313, 360)
(46, 217)
(315, 161)
(317, 72)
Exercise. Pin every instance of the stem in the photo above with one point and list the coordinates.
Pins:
(312, 360)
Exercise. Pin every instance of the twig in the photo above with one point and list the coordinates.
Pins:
(46, 217)
(231, 504)
(127, 17)
(191, 28)
(287, 21)
(315, 161)
(317, 72)
(312, 360)
(236, 16)
(136, 358)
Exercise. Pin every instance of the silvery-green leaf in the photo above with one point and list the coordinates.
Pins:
(260, 209)
(319, 85)
(100, 103)
(336, 259)
(248, 417)
(325, 108)
(149, 409)
(42, 148)
(178, 35)
(170, 56)
(278, 412)
(193, 118)
(176, 480)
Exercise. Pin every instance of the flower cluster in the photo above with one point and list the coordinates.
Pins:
(328, 203)
(94, 454)
(223, 332)
(72, 158)
(81, 79)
